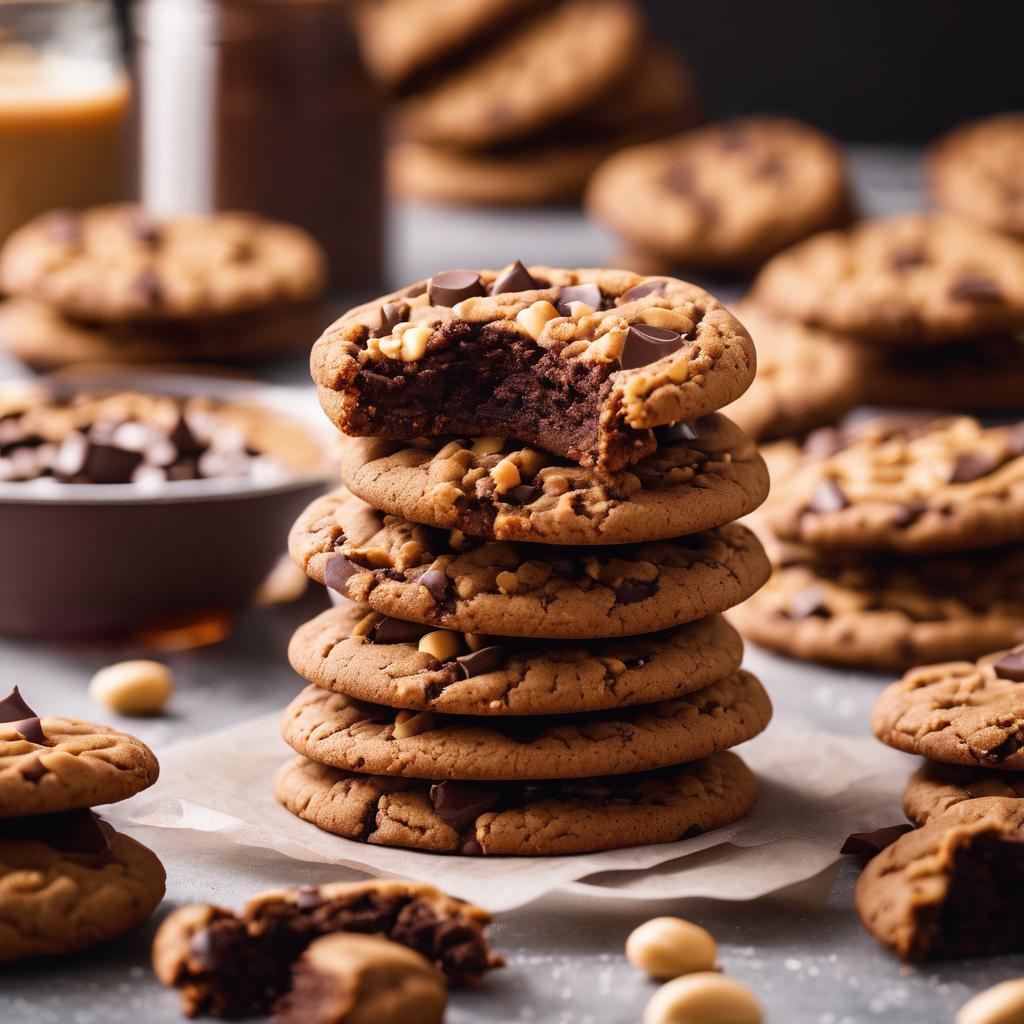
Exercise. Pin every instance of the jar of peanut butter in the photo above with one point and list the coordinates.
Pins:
(264, 105)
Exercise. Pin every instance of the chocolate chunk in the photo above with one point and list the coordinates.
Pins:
(16, 713)
(33, 770)
(828, 497)
(398, 631)
(309, 898)
(655, 286)
(692, 832)
(1011, 667)
(868, 844)
(809, 602)
(471, 848)
(679, 178)
(479, 663)
(30, 728)
(452, 286)
(391, 315)
(589, 294)
(437, 583)
(563, 565)
(972, 466)
(676, 433)
(82, 834)
(65, 226)
(106, 464)
(144, 229)
(459, 804)
(822, 443)
(646, 345)
(183, 439)
(909, 513)
(339, 571)
(1013, 742)
(514, 278)
(522, 494)
(149, 288)
(976, 288)
(632, 591)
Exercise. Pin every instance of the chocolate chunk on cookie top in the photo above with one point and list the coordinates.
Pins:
(967, 713)
(585, 380)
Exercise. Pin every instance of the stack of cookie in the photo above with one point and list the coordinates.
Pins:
(896, 541)
(934, 306)
(951, 887)
(113, 284)
(537, 534)
(68, 881)
(517, 101)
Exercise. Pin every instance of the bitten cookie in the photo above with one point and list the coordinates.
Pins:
(915, 278)
(704, 474)
(936, 788)
(69, 881)
(726, 196)
(968, 713)
(331, 728)
(57, 764)
(581, 363)
(407, 665)
(521, 819)
(411, 572)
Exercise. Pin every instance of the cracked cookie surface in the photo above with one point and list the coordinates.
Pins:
(497, 588)
(936, 788)
(581, 363)
(331, 728)
(378, 660)
(538, 819)
(962, 712)
(703, 474)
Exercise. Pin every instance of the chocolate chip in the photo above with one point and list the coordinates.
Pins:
(32, 770)
(563, 565)
(82, 834)
(479, 663)
(868, 844)
(438, 585)
(66, 227)
(459, 804)
(20, 717)
(398, 631)
(809, 602)
(646, 344)
(338, 571)
(522, 494)
(391, 315)
(1011, 667)
(655, 286)
(452, 286)
(107, 464)
(514, 278)
(589, 294)
(909, 513)
(144, 229)
(971, 466)
(632, 591)
(976, 288)
(692, 832)
(30, 728)
(149, 288)
(309, 898)
(676, 433)
(183, 439)
(828, 497)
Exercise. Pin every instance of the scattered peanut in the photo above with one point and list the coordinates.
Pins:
(535, 317)
(286, 583)
(703, 998)
(442, 644)
(407, 724)
(505, 475)
(133, 687)
(488, 445)
(1000, 1004)
(508, 582)
(450, 449)
(666, 947)
(414, 342)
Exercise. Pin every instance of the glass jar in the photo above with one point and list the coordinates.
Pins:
(264, 105)
(64, 99)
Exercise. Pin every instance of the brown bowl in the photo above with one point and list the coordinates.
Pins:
(81, 560)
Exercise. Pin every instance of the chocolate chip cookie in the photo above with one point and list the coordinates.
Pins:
(726, 196)
(69, 881)
(58, 764)
(580, 363)
(912, 279)
(906, 484)
(237, 965)
(977, 171)
(805, 377)
(497, 588)
(703, 474)
(962, 712)
(936, 788)
(521, 819)
(337, 730)
(407, 665)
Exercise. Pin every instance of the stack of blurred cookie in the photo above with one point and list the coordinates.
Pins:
(534, 543)
(517, 101)
(895, 541)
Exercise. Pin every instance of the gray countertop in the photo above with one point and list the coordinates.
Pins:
(803, 951)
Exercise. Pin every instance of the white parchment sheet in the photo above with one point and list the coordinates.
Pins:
(815, 788)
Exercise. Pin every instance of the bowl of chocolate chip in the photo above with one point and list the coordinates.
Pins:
(134, 502)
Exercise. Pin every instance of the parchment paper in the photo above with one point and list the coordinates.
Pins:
(815, 788)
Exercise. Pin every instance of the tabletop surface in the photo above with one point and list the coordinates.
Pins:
(803, 951)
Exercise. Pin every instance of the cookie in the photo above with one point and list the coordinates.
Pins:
(551, 67)
(117, 264)
(805, 377)
(702, 475)
(379, 660)
(725, 196)
(44, 340)
(888, 613)
(983, 375)
(57, 764)
(912, 279)
(237, 965)
(333, 729)
(579, 363)
(537, 819)
(937, 788)
(362, 978)
(906, 484)
(497, 588)
(69, 881)
(949, 889)
(977, 171)
(961, 712)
